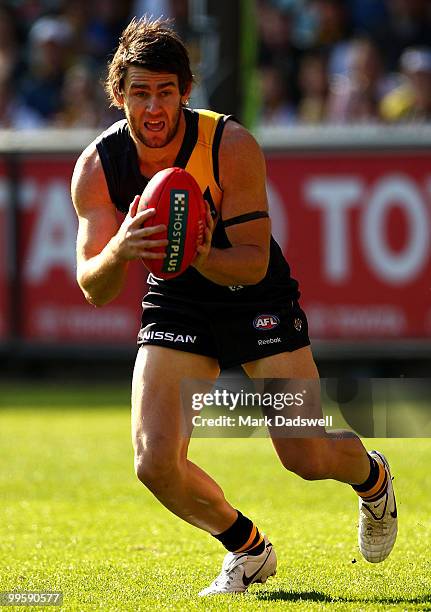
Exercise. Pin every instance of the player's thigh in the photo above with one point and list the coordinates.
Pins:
(297, 364)
(157, 388)
(297, 373)
(290, 375)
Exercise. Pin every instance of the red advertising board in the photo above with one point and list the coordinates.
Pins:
(53, 307)
(355, 227)
(4, 261)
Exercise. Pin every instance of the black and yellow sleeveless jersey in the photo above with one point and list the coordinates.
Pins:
(199, 156)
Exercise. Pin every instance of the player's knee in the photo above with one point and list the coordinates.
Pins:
(155, 468)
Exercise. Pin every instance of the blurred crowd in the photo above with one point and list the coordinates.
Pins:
(341, 61)
(344, 61)
(53, 56)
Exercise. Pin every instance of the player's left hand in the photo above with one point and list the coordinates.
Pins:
(203, 250)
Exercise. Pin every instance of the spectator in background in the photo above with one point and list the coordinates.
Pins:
(333, 22)
(49, 55)
(29, 11)
(82, 100)
(367, 15)
(106, 22)
(77, 14)
(276, 49)
(314, 88)
(10, 60)
(411, 101)
(333, 32)
(14, 113)
(276, 108)
(408, 25)
(356, 96)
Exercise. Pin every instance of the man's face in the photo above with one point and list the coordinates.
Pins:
(152, 104)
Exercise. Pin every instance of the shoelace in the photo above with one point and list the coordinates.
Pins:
(381, 529)
(225, 576)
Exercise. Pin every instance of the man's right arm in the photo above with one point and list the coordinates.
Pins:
(104, 246)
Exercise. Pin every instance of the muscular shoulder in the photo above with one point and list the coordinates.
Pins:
(239, 154)
(88, 179)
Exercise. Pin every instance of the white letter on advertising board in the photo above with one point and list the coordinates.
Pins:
(335, 197)
(405, 265)
(54, 235)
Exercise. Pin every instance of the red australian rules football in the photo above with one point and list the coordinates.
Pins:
(179, 204)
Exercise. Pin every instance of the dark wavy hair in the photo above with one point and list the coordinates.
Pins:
(151, 44)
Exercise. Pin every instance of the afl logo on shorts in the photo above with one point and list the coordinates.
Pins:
(265, 322)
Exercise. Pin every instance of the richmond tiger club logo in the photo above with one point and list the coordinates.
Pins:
(179, 209)
(297, 324)
(265, 322)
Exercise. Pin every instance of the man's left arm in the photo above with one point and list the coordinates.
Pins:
(242, 178)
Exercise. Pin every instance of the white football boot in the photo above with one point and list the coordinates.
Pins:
(239, 570)
(378, 522)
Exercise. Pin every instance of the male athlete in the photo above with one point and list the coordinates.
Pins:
(239, 273)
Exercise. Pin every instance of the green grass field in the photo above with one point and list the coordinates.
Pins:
(73, 518)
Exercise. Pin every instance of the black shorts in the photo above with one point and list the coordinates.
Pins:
(232, 333)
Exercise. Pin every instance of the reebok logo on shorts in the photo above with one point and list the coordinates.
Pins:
(269, 341)
(265, 322)
(159, 335)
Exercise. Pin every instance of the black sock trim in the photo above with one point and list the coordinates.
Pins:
(258, 549)
(237, 534)
(380, 492)
(372, 478)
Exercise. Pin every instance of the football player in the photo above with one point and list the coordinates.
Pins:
(210, 317)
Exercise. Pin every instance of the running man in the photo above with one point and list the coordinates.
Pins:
(238, 274)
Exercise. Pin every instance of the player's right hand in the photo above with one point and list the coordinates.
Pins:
(203, 249)
(132, 241)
